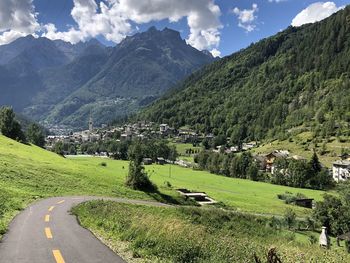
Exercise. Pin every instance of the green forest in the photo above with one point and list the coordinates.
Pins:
(294, 81)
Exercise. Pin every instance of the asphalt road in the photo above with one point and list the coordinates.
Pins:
(45, 232)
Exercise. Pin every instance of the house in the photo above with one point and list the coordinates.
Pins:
(187, 136)
(271, 157)
(126, 136)
(160, 160)
(341, 170)
(147, 161)
(163, 128)
(248, 146)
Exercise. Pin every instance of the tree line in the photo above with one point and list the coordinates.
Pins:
(120, 150)
(289, 172)
(11, 127)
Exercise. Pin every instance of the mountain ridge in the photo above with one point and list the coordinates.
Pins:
(65, 83)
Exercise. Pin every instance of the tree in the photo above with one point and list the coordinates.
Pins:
(315, 164)
(253, 172)
(9, 126)
(35, 135)
(333, 214)
(137, 178)
(173, 154)
(58, 148)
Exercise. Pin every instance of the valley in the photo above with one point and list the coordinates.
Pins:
(152, 131)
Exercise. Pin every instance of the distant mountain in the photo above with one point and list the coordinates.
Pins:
(297, 80)
(57, 83)
(22, 62)
(141, 67)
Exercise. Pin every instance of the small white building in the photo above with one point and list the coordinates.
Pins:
(341, 170)
(163, 128)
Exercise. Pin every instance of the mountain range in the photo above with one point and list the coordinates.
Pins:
(58, 83)
(297, 80)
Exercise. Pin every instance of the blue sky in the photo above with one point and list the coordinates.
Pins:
(226, 32)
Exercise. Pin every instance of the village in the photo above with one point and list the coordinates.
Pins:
(143, 130)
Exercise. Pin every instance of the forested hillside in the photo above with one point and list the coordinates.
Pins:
(297, 79)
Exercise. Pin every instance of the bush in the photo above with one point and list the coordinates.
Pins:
(289, 198)
(290, 218)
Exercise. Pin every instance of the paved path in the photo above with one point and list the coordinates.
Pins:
(45, 232)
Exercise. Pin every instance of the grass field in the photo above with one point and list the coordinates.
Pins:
(181, 148)
(28, 173)
(197, 235)
(245, 195)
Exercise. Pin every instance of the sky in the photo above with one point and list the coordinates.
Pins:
(220, 26)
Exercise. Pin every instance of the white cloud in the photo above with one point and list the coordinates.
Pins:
(92, 20)
(115, 19)
(215, 53)
(315, 12)
(17, 18)
(112, 19)
(246, 17)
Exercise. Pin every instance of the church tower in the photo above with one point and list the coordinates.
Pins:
(91, 124)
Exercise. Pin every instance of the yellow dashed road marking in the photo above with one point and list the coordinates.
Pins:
(48, 233)
(51, 208)
(60, 202)
(47, 218)
(58, 256)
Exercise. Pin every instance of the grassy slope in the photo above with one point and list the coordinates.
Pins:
(246, 195)
(302, 145)
(196, 235)
(28, 173)
(243, 194)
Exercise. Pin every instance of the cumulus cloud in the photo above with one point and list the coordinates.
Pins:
(92, 20)
(115, 19)
(315, 12)
(17, 18)
(112, 19)
(246, 17)
(215, 53)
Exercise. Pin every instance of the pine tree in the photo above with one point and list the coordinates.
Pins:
(315, 164)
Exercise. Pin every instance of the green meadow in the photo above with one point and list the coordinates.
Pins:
(244, 195)
(28, 173)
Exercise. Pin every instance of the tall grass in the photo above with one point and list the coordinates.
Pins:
(186, 235)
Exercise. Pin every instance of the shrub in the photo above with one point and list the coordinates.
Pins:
(290, 218)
